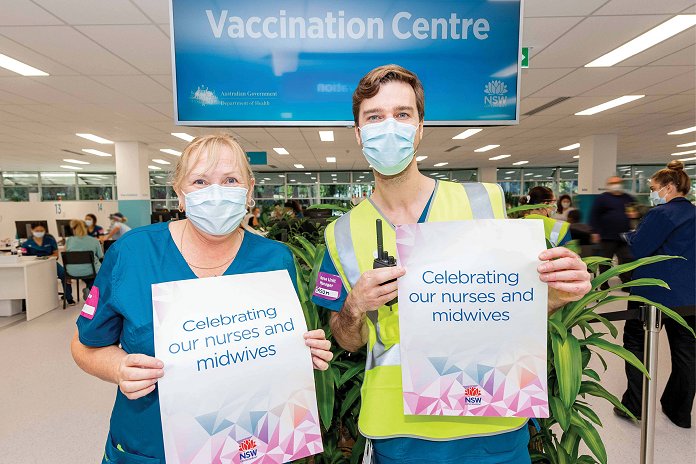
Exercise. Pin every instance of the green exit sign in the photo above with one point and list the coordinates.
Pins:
(525, 57)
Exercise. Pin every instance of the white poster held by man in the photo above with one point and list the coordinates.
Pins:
(238, 384)
(473, 318)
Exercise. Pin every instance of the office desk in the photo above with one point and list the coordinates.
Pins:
(33, 280)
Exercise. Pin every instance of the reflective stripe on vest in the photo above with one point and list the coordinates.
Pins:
(555, 233)
(351, 241)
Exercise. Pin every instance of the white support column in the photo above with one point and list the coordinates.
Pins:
(488, 174)
(597, 163)
(133, 182)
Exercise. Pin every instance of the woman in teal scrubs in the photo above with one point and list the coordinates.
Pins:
(214, 182)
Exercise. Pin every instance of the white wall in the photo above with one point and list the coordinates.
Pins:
(50, 211)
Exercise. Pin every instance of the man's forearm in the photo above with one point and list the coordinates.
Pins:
(348, 326)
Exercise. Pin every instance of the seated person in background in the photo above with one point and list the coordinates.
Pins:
(564, 206)
(253, 217)
(42, 244)
(93, 230)
(80, 241)
(118, 227)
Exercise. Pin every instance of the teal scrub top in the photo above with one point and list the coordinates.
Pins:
(123, 314)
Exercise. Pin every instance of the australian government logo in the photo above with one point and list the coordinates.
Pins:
(496, 94)
(472, 394)
(247, 449)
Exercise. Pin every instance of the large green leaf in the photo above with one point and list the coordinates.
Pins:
(591, 374)
(620, 269)
(587, 412)
(592, 316)
(309, 247)
(568, 365)
(301, 254)
(595, 389)
(325, 396)
(558, 327)
(560, 412)
(522, 208)
(358, 450)
(618, 350)
(350, 373)
(590, 436)
(570, 442)
(351, 397)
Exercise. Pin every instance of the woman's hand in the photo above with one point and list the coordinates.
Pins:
(320, 348)
(137, 375)
(566, 274)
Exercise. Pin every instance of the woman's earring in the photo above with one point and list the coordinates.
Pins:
(181, 208)
(251, 203)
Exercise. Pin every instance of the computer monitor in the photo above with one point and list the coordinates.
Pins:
(64, 229)
(160, 216)
(24, 228)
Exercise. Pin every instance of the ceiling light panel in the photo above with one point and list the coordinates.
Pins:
(326, 135)
(20, 68)
(486, 148)
(95, 138)
(466, 134)
(609, 105)
(183, 136)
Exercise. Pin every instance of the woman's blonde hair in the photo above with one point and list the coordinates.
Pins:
(210, 144)
(78, 227)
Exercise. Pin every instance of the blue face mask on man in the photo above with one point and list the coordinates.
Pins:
(388, 145)
(215, 209)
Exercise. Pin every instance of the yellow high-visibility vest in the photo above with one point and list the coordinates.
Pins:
(554, 229)
(351, 243)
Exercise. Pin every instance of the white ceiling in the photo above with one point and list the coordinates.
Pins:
(110, 74)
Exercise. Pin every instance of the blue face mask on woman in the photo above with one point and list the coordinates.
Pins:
(215, 209)
(656, 199)
(388, 145)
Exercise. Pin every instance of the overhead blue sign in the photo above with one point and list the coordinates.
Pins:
(294, 63)
(257, 157)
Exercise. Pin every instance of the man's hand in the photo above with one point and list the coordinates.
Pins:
(369, 294)
(566, 274)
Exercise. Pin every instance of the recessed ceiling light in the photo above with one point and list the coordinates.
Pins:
(19, 67)
(508, 178)
(160, 161)
(576, 157)
(529, 174)
(313, 178)
(570, 147)
(326, 135)
(466, 134)
(690, 144)
(95, 138)
(334, 175)
(690, 167)
(266, 178)
(92, 151)
(281, 175)
(567, 170)
(74, 161)
(183, 136)
(688, 159)
(330, 159)
(293, 180)
(510, 172)
(298, 166)
(682, 131)
(499, 157)
(434, 173)
(76, 168)
(281, 151)
(437, 165)
(486, 148)
(421, 158)
(308, 173)
(154, 168)
(609, 105)
(664, 31)
(688, 152)
(519, 163)
(170, 151)
(638, 172)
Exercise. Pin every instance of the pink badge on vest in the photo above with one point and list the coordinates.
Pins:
(90, 306)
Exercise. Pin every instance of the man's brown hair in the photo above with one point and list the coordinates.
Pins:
(370, 84)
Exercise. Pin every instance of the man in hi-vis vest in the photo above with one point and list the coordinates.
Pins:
(388, 107)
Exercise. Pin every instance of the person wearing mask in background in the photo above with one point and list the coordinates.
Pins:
(114, 339)
(93, 230)
(557, 232)
(668, 229)
(388, 109)
(80, 241)
(118, 227)
(43, 244)
(565, 205)
(610, 217)
(253, 217)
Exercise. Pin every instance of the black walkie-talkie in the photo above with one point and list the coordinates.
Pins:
(383, 259)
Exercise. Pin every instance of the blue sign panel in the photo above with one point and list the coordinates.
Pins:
(257, 157)
(294, 63)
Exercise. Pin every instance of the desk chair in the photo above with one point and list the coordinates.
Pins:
(77, 257)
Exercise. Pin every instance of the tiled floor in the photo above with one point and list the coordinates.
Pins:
(52, 412)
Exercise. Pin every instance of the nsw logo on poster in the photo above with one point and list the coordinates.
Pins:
(247, 449)
(472, 394)
(496, 94)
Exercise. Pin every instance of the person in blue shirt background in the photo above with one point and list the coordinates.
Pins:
(114, 339)
(93, 230)
(43, 244)
(667, 229)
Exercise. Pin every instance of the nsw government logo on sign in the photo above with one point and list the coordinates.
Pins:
(472, 394)
(247, 449)
(496, 94)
